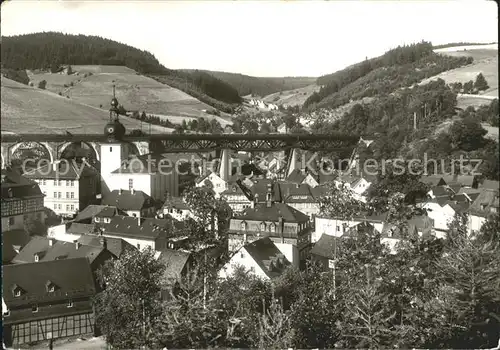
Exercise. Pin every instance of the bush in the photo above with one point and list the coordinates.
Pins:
(42, 84)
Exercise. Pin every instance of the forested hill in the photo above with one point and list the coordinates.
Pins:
(398, 68)
(260, 86)
(49, 50)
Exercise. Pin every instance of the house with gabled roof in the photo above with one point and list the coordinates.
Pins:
(68, 185)
(86, 216)
(47, 299)
(177, 208)
(152, 174)
(260, 257)
(21, 198)
(337, 226)
(177, 264)
(287, 227)
(134, 203)
(139, 232)
(41, 249)
(485, 205)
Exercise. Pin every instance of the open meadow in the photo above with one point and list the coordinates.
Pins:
(295, 97)
(485, 61)
(134, 91)
(31, 110)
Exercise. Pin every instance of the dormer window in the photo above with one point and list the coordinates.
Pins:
(272, 228)
(37, 258)
(34, 308)
(268, 197)
(483, 206)
(243, 226)
(50, 287)
(16, 290)
(107, 220)
(97, 219)
(262, 226)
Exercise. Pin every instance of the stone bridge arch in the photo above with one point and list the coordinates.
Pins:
(91, 145)
(32, 145)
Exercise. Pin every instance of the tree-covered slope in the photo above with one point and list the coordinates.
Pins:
(260, 86)
(50, 50)
(398, 68)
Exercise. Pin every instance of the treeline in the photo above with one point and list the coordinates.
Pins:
(186, 84)
(47, 50)
(401, 67)
(459, 44)
(466, 138)
(200, 125)
(471, 87)
(389, 119)
(261, 86)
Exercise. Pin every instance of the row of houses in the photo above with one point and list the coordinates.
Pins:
(49, 282)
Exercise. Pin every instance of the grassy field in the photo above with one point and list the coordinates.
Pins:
(30, 110)
(485, 61)
(292, 97)
(134, 91)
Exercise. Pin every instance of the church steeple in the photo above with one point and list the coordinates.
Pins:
(114, 129)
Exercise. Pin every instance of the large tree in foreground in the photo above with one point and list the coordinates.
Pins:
(128, 308)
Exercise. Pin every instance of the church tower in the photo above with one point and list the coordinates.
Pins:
(114, 151)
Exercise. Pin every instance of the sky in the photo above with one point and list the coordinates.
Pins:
(260, 38)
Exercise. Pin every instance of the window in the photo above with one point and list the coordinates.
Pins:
(17, 292)
(70, 303)
(12, 220)
(272, 228)
(72, 195)
(72, 206)
(111, 149)
(243, 226)
(72, 183)
(55, 206)
(262, 226)
(138, 246)
(59, 206)
(242, 255)
(59, 194)
(130, 184)
(59, 183)
(51, 289)
(67, 195)
(252, 269)
(67, 182)
(55, 194)
(67, 207)
(44, 182)
(34, 308)
(37, 258)
(55, 182)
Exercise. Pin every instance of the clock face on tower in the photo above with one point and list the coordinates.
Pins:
(110, 129)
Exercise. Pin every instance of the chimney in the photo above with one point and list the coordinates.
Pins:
(280, 226)
(139, 220)
(132, 191)
(54, 166)
(51, 242)
(77, 245)
(297, 185)
(269, 195)
(120, 191)
(103, 242)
